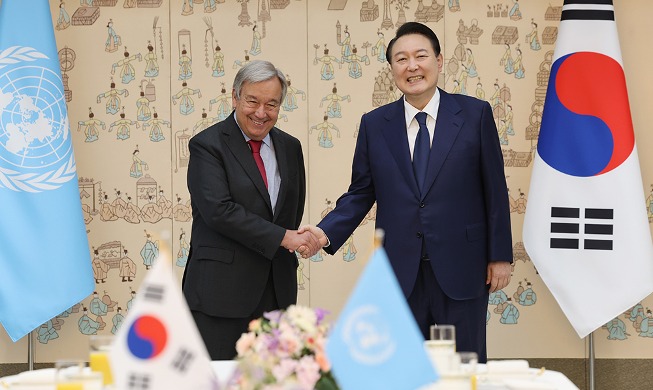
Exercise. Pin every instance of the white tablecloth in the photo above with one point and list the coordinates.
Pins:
(530, 379)
(533, 379)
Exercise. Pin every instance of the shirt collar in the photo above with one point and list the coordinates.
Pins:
(431, 108)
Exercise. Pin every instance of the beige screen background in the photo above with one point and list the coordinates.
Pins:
(132, 165)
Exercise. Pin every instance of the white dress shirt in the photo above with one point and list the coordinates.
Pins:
(412, 127)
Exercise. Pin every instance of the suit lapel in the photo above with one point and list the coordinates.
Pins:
(447, 127)
(243, 155)
(396, 137)
(281, 153)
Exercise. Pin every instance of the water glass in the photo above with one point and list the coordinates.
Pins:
(74, 375)
(442, 347)
(444, 333)
(68, 373)
(468, 363)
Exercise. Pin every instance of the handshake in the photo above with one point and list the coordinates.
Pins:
(307, 240)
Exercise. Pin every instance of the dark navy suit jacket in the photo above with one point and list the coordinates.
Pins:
(464, 212)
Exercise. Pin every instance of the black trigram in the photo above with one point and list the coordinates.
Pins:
(182, 360)
(154, 293)
(600, 11)
(138, 382)
(566, 231)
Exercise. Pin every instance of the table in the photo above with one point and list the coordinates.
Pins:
(532, 379)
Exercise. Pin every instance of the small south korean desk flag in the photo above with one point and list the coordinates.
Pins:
(158, 345)
(586, 228)
(376, 343)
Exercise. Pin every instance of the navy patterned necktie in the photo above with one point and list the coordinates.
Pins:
(421, 151)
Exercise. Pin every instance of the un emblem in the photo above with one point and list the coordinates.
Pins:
(368, 337)
(35, 147)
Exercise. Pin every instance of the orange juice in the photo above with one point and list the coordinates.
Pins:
(99, 362)
(70, 386)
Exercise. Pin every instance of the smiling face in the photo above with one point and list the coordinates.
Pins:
(415, 68)
(257, 108)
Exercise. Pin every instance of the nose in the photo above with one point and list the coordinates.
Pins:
(260, 111)
(412, 64)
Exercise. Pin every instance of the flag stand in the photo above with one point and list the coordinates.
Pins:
(30, 351)
(591, 367)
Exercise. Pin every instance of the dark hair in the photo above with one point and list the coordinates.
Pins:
(414, 28)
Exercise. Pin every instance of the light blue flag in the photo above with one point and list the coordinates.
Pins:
(45, 264)
(376, 344)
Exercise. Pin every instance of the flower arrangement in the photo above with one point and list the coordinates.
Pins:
(285, 350)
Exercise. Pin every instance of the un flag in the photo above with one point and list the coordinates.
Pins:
(44, 256)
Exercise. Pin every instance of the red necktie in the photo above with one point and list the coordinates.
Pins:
(256, 152)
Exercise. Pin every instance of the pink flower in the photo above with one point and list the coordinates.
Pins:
(245, 342)
(255, 325)
(308, 372)
(284, 369)
(322, 361)
(283, 350)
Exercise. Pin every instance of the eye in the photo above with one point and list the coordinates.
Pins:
(401, 59)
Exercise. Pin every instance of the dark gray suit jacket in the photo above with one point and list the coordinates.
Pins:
(235, 240)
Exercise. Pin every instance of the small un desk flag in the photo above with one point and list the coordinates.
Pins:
(376, 343)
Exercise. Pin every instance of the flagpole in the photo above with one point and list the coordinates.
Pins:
(379, 234)
(30, 351)
(591, 353)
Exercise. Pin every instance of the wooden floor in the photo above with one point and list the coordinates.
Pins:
(609, 374)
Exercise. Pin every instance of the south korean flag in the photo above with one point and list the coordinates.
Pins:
(586, 227)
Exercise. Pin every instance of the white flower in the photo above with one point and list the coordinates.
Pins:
(303, 317)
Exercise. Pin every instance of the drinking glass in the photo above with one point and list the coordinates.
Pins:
(445, 333)
(99, 346)
(468, 363)
(74, 375)
(442, 347)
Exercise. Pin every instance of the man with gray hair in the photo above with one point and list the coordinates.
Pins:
(247, 187)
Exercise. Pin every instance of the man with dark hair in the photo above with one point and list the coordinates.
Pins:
(247, 189)
(433, 164)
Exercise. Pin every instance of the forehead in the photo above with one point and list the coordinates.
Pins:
(411, 43)
(262, 86)
(263, 90)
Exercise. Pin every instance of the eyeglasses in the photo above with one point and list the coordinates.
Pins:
(253, 104)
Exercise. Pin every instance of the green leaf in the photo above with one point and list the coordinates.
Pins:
(326, 382)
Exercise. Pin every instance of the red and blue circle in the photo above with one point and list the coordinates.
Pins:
(147, 337)
(586, 126)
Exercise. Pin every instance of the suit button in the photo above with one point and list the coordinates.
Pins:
(421, 205)
(419, 234)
